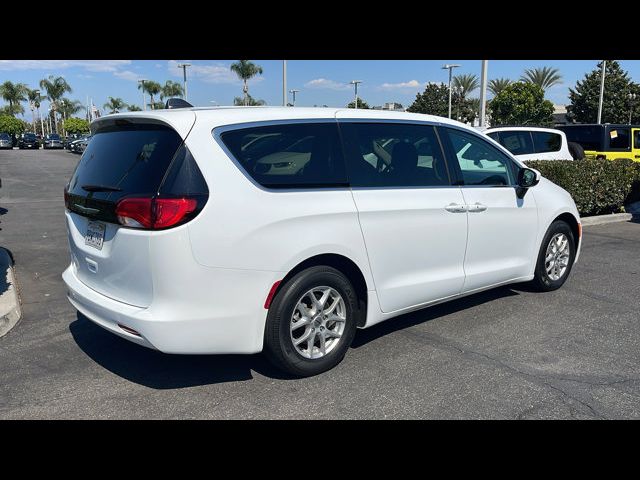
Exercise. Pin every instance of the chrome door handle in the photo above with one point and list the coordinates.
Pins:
(476, 207)
(456, 208)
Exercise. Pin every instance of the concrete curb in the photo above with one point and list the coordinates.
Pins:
(601, 219)
(10, 311)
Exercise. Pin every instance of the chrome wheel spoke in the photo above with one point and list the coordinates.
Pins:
(303, 338)
(331, 334)
(323, 344)
(557, 256)
(300, 323)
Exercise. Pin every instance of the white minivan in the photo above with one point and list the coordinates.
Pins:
(536, 143)
(243, 229)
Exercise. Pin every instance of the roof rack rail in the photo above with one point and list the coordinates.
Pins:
(177, 103)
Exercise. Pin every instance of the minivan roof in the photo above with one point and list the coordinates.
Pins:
(231, 115)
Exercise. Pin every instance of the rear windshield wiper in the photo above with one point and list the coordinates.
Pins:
(100, 188)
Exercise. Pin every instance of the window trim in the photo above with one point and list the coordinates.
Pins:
(452, 158)
(217, 136)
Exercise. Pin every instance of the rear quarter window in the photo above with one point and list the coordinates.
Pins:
(544, 142)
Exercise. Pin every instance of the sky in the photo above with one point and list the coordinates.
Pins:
(320, 82)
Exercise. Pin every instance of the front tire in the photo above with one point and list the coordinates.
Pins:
(311, 321)
(556, 257)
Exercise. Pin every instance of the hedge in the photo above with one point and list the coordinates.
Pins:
(597, 186)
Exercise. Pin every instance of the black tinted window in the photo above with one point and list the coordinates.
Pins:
(546, 142)
(29, 136)
(289, 155)
(133, 158)
(517, 142)
(5, 136)
(619, 138)
(393, 155)
(636, 139)
(589, 137)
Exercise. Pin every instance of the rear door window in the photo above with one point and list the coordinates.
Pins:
(619, 138)
(298, 155)
(544, 142)
(516, 141)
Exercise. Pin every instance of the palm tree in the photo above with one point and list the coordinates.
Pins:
(465, 84)
(114, 105)
(14, 93)
(55, 87)
(134, 108)
(171, 89)
(67, 108)
(152, 88)
(246, 70)
(248, 100)
(156, 105)
(498, 84)
(35, 99)
(544, 77)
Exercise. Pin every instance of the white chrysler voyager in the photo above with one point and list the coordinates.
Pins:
(237, 230)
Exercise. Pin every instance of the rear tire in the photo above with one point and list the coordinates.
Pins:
(326, 328)
(556, 257)
(576, 150)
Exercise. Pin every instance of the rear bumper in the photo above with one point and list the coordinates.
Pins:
(205, 317)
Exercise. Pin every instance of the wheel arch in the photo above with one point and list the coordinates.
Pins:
(572, 221)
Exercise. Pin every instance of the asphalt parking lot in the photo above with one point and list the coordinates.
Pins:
(504, 354)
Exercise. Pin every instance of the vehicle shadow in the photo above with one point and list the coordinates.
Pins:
(162, 371)
(421, 316)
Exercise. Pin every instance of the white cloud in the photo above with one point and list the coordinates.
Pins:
(324, 83)
(128, 75)
(55, 65)
(411, 84)
(218, 73)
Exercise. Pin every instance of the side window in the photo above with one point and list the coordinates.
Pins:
(393, 155)
(480, 163)
(495, 136)
(289, 155)
(516, 141)
(544, 142)
(636, 139)
(619, 139)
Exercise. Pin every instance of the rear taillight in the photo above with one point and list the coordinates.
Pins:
(154, 213)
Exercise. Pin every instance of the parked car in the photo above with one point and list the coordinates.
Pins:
(535, 143)
(284, 229)
(28, 140)
(608, 141)
(52, 140)
(5, 141)
(79, 145)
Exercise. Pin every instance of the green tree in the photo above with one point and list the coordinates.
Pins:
(245, 70)
(55, 87)
(114, 105)
(152, 88)
(14, 93)
(248, 100)
(134, 108)
(12, 125)
(433, 101)
(171, 89)
(584, 98)
(521, 103)
(465, 84)
(361, 104)
(544, 77)
(496, 85)
(76, 125)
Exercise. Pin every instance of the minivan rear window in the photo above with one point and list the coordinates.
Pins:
(298, 155)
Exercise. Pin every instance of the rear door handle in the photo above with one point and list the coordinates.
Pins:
(456, 208)
(476, 207)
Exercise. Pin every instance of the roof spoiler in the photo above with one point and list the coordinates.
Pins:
(177, 103)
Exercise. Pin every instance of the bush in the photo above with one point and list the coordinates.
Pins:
(597, 186)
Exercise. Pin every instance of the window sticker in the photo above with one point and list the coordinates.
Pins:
(613, 134)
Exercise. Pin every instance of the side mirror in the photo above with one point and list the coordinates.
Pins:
(527, 178)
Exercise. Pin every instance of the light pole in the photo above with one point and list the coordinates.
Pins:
(293, 92)
(184, 66)
(450, 67)
(355, 85)
(604, 67)
(144, 99)
(483, 91)
(632, 100)
(284, 83)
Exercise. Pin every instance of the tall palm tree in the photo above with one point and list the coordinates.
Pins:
(14, 93)
(465, 84)
(152, 88)
(498, 84)
(544, 77)
(156, 105)
(171, 89)
(55, 87)
(35, 99)
(114, 105)
(246, 70)
(67, 107)
(134, 108)
(248, 100)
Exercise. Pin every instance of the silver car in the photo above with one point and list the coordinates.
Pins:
(5, 141)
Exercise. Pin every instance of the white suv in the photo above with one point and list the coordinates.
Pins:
(233, 230)
(536, 143)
